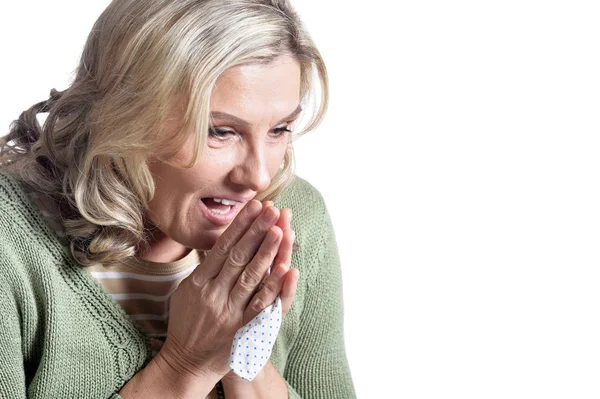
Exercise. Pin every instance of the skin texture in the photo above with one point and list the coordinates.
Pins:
(221, 294)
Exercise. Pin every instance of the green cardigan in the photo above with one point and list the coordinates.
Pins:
(63, 336)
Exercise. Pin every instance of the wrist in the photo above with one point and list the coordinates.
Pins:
(268, 383)
(181, 382)
(233, 378)
(160, 380)
(177, 371)
(236, 387)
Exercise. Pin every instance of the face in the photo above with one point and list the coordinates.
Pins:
(252, 106)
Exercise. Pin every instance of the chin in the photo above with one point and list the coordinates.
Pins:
(206, 240)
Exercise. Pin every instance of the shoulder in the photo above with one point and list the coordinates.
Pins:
(12, 205)
(310, 218)
(17, 212)
(17, 245)
(25, 239)
(305, 201)
(11, 190)
(311, 223)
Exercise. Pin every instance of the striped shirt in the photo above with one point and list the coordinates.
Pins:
(142, 288)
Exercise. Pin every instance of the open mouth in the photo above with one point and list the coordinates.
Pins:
(216, 207)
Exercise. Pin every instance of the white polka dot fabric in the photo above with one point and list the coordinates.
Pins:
(253, 343)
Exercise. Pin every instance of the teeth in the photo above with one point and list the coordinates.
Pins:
(225, 201)
(220, 212)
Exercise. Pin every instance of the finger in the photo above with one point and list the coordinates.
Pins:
(228, 239)
(244, 251)
(288, 289)
(285, 248)
(284, 223)
(248, 281)
(267, 294)
(285, 217)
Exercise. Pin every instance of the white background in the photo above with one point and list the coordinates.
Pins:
(459, 161)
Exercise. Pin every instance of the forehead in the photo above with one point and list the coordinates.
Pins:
(248, 90)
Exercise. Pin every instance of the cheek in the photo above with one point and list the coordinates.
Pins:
(276, 159)
(174, 190)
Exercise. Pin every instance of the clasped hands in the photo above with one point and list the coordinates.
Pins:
(222, 295)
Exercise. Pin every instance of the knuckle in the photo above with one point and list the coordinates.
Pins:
(258, 304)
(237, 258)
(219, 251)
(210, 295)
(270, 285)
(248, 280)
(196, 280)
(257, 229)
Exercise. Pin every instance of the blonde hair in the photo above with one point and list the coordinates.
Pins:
(91, 155)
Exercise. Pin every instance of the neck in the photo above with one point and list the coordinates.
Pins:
(162, 249)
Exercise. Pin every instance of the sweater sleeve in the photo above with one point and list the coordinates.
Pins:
(317, 366)
(12, 370)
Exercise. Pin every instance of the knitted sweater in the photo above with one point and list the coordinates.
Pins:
(63, 336)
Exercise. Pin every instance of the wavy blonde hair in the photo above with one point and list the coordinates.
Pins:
(91, 155)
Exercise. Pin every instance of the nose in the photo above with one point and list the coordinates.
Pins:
(252, 170)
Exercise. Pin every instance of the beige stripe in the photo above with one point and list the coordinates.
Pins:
(140, 317)
(159, 290)
(124, 286)
(135, 265)
(135, 307)
(154, 326)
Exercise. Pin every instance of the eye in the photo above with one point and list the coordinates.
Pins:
(219, 134)
(281, 131)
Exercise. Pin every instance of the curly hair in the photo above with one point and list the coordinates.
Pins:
(90, 156)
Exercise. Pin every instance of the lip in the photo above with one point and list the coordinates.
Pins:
(220, 220)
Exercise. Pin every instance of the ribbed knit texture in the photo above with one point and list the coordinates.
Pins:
(63, 336)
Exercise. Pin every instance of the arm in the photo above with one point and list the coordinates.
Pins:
(317, 366)
(12, 370)
(161, 379)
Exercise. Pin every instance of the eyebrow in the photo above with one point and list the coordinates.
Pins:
(239, 121)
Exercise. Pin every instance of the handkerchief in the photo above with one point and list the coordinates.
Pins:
(253, 343)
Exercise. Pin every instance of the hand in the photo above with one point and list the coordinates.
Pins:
(282, 280)
(219, 297)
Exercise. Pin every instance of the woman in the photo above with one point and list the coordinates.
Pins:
(138, 225)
